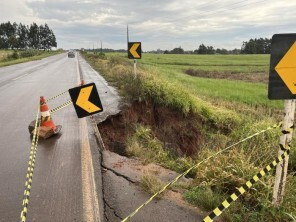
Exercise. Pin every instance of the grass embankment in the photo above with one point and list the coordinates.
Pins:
(10, 57)
(218, 112)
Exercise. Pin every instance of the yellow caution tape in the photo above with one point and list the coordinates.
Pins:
(30, 171)
(233, 197)
(289, 130)
(54, 97)
(58, 95)
(195, 166)
(61, 107)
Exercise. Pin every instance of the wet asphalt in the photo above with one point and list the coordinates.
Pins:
(60, 189)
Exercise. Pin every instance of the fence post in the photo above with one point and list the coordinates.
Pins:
(282, 167)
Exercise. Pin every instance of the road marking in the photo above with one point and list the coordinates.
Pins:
(91, 212)
(20, 77)
(89, 191)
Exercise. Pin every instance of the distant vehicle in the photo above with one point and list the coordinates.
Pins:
(71, 54)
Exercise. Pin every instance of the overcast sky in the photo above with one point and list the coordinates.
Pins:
(163, 24)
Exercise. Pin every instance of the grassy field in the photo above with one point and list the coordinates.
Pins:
(33, 55)
(4, 54)
(173, 67)
(218, 112)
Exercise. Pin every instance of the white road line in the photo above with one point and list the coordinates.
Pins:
(20, 77)
(91, 212)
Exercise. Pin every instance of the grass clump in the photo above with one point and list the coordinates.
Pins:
(203, 197)
(151, 184)
(144, 145)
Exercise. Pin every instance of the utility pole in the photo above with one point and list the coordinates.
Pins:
(285, 141)
(127, 36)
(101, 47)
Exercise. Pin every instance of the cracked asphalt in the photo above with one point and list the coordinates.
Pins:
(122, 195)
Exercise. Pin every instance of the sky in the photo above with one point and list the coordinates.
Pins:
(158, 24)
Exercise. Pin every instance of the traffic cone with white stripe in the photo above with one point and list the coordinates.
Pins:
(46, 120)
(47, 127)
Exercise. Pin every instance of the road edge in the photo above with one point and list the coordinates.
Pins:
(90, 170)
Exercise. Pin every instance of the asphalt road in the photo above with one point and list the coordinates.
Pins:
(64, 183)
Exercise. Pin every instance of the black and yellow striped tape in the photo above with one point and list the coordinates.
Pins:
(289, 130)
(195, 166)
(61, 107)
(30, 171)
(56, 96)
(233, 197)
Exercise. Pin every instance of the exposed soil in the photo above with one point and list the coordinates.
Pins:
(180, 134)
(248, 77)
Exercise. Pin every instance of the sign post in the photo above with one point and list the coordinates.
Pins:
(135, 52)
(282, 85)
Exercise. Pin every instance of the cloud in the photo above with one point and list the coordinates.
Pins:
(158, 24)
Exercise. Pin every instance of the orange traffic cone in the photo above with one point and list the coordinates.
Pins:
(46, 119)
(47, 127)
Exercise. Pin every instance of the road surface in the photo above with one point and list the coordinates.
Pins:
(66, 177)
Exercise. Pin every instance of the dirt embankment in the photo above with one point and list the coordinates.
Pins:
(230, 75)
(180, 134)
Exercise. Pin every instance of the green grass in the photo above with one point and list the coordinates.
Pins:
(151, 184)
(8, 62)
(172, 67)
(4, 54)
(227, 110)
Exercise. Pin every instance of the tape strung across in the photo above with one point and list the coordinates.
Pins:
(195, 166)
(30, 171)
(226, 203)
(61, 107)
(54, 97)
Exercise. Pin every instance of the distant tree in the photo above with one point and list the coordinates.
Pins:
(20, 36)
(34, 38)
(22, 33)
(202, 49)
(3, 37)
(45, 37)
(52, 40)
(8, 35)
(235, 51)
(222, 51)
(177, 51)
(210, 50)
(257, 46)
(166, 52)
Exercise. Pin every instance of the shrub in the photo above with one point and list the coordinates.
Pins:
(151, 184)
(14, 55)
(29, 53)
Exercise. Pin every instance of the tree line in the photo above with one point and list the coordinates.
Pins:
(253, 46)
(20, 36)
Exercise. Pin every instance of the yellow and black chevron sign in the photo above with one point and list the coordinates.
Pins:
(134, 50)
(233, 197)
(86, 100)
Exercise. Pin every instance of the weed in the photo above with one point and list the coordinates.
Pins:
(203, 197)
(151, 184)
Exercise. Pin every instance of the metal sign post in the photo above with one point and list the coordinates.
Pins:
(135, 68)
(285, 141)
(282, 85)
